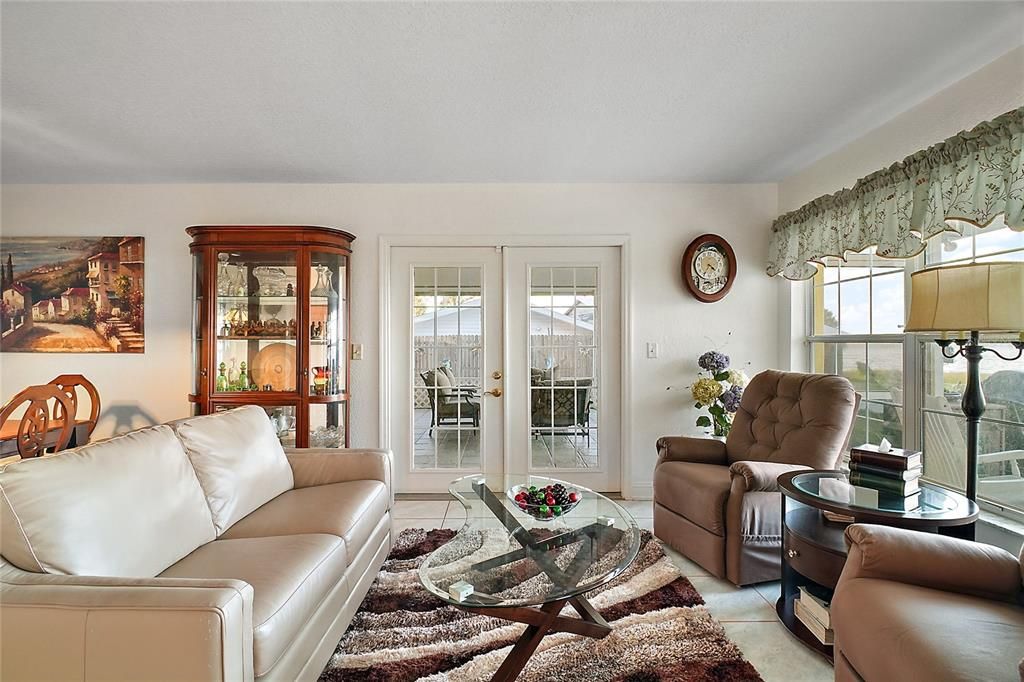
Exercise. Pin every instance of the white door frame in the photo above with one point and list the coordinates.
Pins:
(387, 242)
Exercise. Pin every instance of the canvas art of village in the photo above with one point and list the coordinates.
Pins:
(72, 294)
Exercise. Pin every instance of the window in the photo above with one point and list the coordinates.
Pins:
(857, 323)
(941, 383)
(856, 330)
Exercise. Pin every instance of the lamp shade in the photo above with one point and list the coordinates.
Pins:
(980, 297)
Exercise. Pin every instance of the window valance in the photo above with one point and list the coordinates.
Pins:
(973, 177)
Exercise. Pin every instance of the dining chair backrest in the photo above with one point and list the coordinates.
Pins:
(37, 420)
(69, 383)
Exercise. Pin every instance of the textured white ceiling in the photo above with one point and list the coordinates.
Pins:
(482, 92)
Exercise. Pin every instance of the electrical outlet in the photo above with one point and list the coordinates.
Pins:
(652, 351)
(357, 351)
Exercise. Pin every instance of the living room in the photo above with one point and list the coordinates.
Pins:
(416, 340)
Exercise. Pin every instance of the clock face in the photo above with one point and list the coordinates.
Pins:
(710, 269)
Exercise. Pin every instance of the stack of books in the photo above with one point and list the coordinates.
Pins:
(812, 609)
(893, 472)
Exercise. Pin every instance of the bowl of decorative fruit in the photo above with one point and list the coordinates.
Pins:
(544, 502)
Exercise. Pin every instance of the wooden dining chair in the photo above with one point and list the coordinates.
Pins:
(33, 431)
(69, 383)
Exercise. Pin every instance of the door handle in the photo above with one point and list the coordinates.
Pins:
(494, 392)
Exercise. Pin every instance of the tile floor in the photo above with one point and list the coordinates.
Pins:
(748, 614)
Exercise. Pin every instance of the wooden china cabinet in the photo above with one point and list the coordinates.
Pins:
(270, 326)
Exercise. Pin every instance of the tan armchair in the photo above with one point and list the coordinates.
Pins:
(919, 606)
(719, 503)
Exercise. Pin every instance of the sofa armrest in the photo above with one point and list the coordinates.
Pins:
(686, 449)
(762, 476)
(124, 628)
(929, 560)
(321, 466)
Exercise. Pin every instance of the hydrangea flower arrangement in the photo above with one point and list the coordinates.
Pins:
(718, 389)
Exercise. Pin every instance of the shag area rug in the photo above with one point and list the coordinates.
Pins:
(662, 631)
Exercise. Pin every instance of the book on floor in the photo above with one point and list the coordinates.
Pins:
(895, 458)
(816, 601)
(886, 472)
(890, 485)
(816, 627)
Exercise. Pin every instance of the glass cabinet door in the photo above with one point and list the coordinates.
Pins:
(198, 308)
(256, 322)
(283, 419)
(327, 333)
(328, 344)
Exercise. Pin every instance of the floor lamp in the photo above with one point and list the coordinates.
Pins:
(960, 302)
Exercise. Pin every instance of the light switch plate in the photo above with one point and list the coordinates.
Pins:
(357, 351)
(652, 351)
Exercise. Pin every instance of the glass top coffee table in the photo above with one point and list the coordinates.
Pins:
(525, 563)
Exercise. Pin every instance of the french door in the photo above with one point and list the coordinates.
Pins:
(505, 361)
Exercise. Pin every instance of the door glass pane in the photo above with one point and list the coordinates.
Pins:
(564, 361)
(327, 333)
(256, 322)
(447, 369)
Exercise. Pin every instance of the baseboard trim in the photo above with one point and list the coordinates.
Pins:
(642, 492)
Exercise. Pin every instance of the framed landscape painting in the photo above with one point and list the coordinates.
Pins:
(72, 294)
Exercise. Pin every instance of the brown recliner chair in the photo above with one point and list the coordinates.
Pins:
(923, 607)
(718, 503)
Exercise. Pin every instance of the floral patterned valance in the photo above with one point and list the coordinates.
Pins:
(972, 177)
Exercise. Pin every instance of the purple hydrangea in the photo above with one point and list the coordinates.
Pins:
(713, 361)
(731, 398)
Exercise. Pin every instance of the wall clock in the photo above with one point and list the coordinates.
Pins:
(709, 268)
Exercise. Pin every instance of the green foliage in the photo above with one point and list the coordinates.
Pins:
(123, 286)
(722, 376)
(704, 420)
(86, 318)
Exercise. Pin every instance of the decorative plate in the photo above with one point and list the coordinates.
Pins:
(275, 365)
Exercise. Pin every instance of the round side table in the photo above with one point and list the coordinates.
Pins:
(813, 548)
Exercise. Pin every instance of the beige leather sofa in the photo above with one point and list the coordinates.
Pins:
(195, 551)
(918, 607)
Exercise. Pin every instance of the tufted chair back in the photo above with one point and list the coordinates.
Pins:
(793, 418)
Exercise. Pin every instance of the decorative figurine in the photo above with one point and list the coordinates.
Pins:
(268, 387)
(243, 377)
(225, 330)
(290, 291)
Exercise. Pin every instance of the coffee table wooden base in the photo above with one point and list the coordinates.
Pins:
(540, 621)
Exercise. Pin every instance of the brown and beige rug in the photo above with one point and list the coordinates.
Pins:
(662, 631)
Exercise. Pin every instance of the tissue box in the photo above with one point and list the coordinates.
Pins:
(605, 521)
(460, 591)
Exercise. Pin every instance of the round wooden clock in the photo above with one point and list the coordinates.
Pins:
(709, 268)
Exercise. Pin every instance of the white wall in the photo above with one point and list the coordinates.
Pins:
(660, 219)
(992, 90)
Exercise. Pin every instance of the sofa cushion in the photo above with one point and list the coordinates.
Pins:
(696, 491)
(349, 510)
(129, 506)
(238, 459)
(290, 576)
(895, 631)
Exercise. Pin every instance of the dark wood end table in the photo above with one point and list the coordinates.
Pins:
(814, 549)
